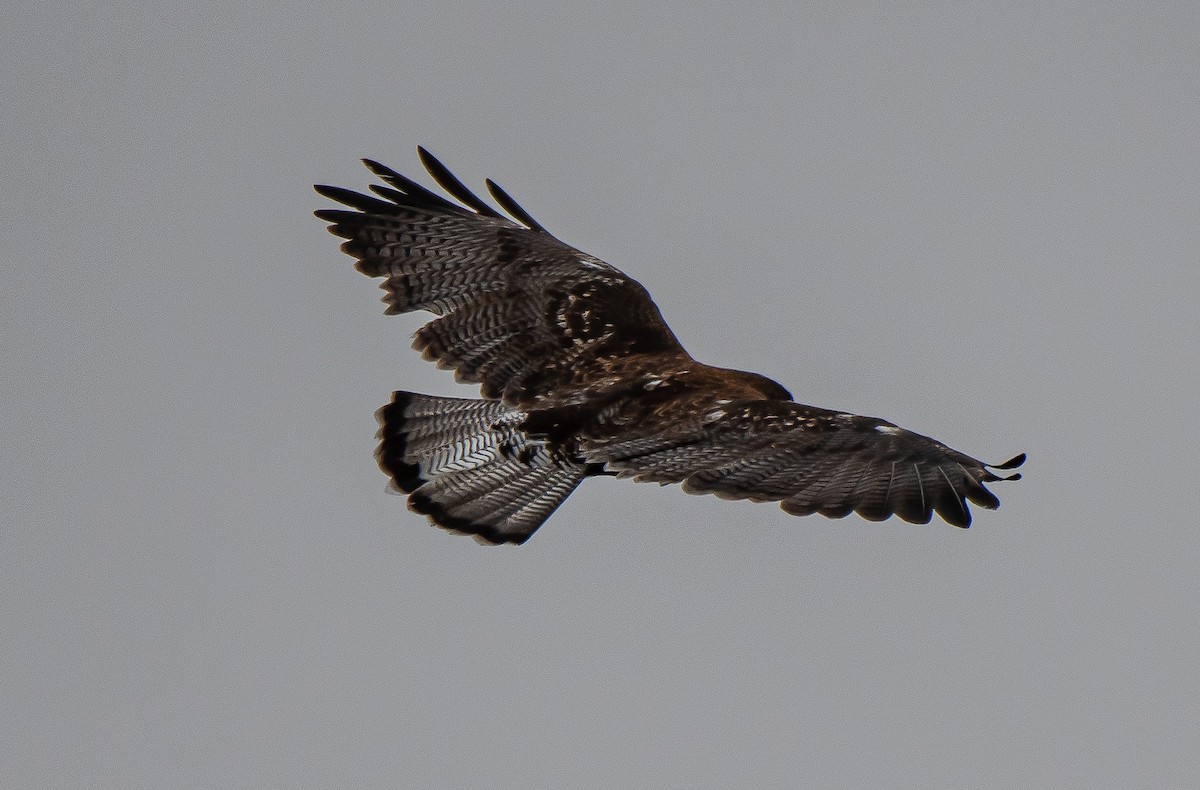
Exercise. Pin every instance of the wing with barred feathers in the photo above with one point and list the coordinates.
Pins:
(520, 311)
(810, 460)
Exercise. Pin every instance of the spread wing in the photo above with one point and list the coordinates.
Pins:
(808, 459)
(521, 312)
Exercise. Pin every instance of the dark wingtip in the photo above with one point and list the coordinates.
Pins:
(430, 162)
(513, 207)
(456, 188)
(356, 200)
(380, 170)
(1011, 463)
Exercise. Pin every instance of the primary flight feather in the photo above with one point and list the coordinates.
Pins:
(581, 376)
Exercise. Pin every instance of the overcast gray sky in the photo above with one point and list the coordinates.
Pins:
(980, 224)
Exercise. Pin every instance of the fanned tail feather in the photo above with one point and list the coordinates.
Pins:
(468, 466)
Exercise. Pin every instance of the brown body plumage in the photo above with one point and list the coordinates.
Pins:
(580, 376)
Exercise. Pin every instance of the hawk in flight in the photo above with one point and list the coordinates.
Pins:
(580, 376)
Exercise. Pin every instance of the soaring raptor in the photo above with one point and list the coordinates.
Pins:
(580, 376)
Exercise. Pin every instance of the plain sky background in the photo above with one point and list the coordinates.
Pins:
(981, 223)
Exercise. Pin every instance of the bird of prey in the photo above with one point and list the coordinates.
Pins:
(581, 376)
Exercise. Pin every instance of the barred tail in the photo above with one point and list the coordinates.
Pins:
(468, 466)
